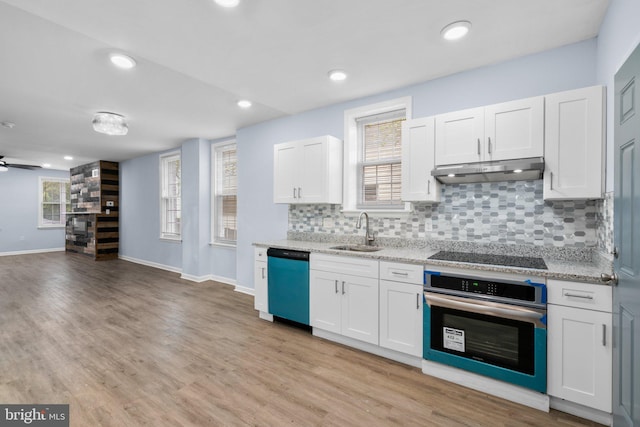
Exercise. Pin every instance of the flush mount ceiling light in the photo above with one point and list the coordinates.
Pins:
(244, 103)
(110, 123)
(456, 30)
(337, 75)
(227, 3)
(123, 61)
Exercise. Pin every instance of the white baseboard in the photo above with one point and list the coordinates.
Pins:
(150, 264)
(245, 290)
(221, 279)
(514, 393)
(265, 316)
(32, 251)
(197, 279)
(581, 411)
(369, 348)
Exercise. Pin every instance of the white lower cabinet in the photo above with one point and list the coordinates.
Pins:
(580, 344)
(261, 290)
(341, 303)
(401, 317)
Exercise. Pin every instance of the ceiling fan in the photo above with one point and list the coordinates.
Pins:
(4, 165)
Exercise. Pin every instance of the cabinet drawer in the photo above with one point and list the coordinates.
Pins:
(580, 295)
(344, 264)
(407, 273)
(260, 254)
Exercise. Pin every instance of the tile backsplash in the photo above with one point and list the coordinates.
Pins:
(504, 212)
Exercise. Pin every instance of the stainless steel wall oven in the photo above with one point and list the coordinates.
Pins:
(492, 327)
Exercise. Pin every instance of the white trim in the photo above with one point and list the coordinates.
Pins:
(265, 316)
(222, 279)
(245, 290)
(581, 411)
(32, 251)
(223, 245)
(151, 264)
(162, 160)
(63, 205)
(171, 240)
(215, 149)
(407, 359)
(197, 279)
(513, 393)
(350, 174)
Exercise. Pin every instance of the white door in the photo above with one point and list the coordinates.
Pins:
(261, 297)
(313, 171)
(460, 137)
(514, 130)
(626, 295)
(360, 308)
(418, 151)
(579, 343)
(325, 298)
(285, 172)
(574, 144)
(401, 317)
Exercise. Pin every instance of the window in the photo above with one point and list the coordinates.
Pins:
(373, 143)
(55, 202)
(225, 191)
(170, 192)
(379, 160)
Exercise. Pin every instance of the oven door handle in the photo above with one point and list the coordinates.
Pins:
(523, 314)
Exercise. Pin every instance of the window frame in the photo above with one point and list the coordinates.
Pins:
(216, 150)
(353, 147)
(63, 206)
(165, 159)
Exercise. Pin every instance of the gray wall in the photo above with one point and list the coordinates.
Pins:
(565, 68)
(19, 212)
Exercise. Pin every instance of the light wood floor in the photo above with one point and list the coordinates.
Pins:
(129, 345)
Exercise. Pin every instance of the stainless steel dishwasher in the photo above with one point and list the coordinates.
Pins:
(288, 275)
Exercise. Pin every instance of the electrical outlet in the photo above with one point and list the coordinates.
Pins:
(428, 225)
(108, 211)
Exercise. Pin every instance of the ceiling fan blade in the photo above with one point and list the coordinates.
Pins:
(30, 167)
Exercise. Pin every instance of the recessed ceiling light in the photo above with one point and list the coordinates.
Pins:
(68, 157)
(227, 3)
(244, 103)
(451, 175)
(517, 171)
(337, 75)
(456, 30)
(46, 165)
(123, 61)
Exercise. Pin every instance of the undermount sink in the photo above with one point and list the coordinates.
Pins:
(356, 248)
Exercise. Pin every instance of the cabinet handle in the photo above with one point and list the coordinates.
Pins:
(551, 181)
(604, 335)
(418, 301)
(489, 145)
(294, 192)
(343, 287)
(478, 146)
(428, 186)
(398, 273)
(263, 269)
(568, 294)
(299, 192)
(336, 286)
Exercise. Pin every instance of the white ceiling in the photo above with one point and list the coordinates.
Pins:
(196, 59)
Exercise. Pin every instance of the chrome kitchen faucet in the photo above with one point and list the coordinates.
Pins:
(368, 238)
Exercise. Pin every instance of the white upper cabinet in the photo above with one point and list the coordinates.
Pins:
(510, 130)
(308, 171)
(574, 144)
(418, 151)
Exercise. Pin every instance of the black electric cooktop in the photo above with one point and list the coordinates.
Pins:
(503, 260)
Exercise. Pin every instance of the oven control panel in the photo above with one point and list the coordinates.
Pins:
(461, 285)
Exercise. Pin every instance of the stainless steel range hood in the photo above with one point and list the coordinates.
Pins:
(503, 170)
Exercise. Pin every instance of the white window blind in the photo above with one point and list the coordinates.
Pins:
(55, 202)
(170, 197)
(225, 221)
(379, 166)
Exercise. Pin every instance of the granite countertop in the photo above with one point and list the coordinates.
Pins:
(582, 265)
